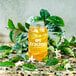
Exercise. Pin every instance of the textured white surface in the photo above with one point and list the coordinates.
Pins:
(20, 10)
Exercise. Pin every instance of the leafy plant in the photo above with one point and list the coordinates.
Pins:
(58, 21)
(17, 58)
(29, 67)
(54, 25)
(4, 48)
(65, 47)
(52, 61)
(62, 66)
(7, 64)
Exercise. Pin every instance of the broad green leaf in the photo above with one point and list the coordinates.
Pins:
(11, 35)
(66, 50)
(24, 37)
(44, 14)
(72, 39)
(59, 68)
(52, 61)
(53, 28)
(17, 46)
(29, 67)
(7, 64)
(26, 57)
(11, 25)
(27, 25)
(66, 42)
(17, 58)
(4, 48)
(21, 37)
(34, 19)
(70, 69)
(21, 27)
(58, 21)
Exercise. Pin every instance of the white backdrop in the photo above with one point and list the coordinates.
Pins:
(20, 10)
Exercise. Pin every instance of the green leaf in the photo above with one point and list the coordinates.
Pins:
(26, 57)
(29, 67)
(70, 69)
(7, 64)
(17, 58)
(27, 25)
(34, 19)
(67, 50)
(52, 61)
(72, 39)
(21, 27)
(11, 35)
(21, 37)
(73, 44)
(58, 21)
(53, 28)
(4, 48)
(66, 42)
(64, 62)
(44, 14)
(59, 68)
(24, 37)
(11, 25)
(7, 52)
(17, 46)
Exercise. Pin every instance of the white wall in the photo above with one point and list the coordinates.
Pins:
(20, 10)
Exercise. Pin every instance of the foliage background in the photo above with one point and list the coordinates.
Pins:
(20, 10)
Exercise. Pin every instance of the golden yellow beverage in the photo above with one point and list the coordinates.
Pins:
(37, 42)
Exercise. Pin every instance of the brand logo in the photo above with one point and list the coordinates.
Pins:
(37, 40)
(37, 44)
